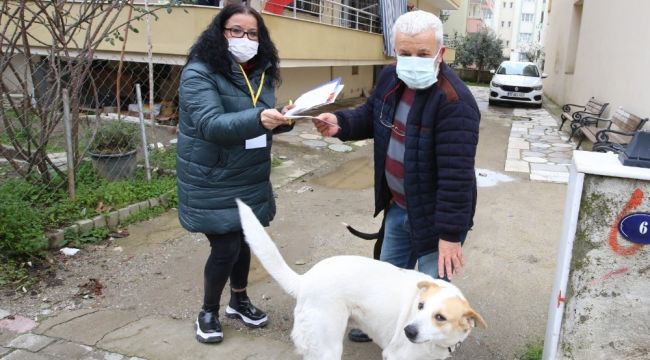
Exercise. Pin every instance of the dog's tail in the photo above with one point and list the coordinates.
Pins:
(360, 234)
(263, 247)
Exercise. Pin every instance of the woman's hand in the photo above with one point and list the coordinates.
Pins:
(287, 108)
(272, 118)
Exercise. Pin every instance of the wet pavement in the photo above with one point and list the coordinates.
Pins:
(535, 145)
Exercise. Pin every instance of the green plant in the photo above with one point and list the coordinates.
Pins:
(29, 209)
(14, 274)
(143, 215)
(115, 137)
(90, 237)
(533, 351)
(482, 49)
(21, 228)
(163, 158)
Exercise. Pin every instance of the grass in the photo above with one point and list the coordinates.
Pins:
(163, 158)
(533, 351)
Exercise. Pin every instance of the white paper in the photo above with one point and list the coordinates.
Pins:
(321, 95)
(256, 142)
(69, 251)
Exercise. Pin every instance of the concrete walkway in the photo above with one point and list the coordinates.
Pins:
(536, 146)
(153, 287)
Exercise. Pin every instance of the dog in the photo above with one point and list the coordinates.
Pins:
(408, 314)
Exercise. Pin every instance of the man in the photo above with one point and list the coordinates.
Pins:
(425, 124)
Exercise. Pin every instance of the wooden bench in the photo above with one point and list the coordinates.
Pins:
(610, 134)
(575, 112)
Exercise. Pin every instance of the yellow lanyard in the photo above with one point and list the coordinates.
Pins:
(254, 96)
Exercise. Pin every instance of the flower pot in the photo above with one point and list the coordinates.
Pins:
(115, 166)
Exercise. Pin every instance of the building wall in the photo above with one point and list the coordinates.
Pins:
(296, 81)
(611, 58)
(174, 33)
(505, 24)
(457, 20)
(607, 296)
(12, 79)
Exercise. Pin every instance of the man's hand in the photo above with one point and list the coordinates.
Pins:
(327, 124)
(449, 253)
(272, 118)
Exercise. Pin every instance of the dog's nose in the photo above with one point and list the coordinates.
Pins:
(411, 332)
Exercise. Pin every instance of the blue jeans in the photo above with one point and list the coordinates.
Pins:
(397, 248)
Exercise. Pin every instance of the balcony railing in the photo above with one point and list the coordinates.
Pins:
(334, 13)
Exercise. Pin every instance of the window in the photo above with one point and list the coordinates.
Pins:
(507, 42)
(504, 4)
(527, 17)
(308, 7)
(503, 23)
(511, 5)
(509, 68)
(525, 37)
(509, 23)
(355, 70)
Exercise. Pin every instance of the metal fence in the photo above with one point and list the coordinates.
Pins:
(355, 14)
(93, 145)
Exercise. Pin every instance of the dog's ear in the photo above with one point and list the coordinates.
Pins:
(426, 285)
(475, 318)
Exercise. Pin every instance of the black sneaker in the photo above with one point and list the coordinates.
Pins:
(356, 335)
(208, 328)
(240, 307)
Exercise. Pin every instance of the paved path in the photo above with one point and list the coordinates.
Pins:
(535, 145)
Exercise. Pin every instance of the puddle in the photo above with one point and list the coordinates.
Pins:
(355, 174)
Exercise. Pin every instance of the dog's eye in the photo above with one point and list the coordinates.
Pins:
(439, 317)
(420, 306)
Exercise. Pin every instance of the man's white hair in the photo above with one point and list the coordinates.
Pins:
(415, 22)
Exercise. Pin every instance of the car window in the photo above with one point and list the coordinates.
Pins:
(518, 69)
(531, 70)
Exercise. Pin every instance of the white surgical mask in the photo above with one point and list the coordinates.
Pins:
(418, 72)
(242, 49)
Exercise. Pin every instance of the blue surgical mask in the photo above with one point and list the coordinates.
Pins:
(418, 72)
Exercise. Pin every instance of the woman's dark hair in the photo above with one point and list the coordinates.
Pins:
(212, 46)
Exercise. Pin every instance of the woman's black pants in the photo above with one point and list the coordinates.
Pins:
(230, 257)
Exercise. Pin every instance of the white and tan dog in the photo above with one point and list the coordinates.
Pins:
(408, 314)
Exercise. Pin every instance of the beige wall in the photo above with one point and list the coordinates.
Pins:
(612, 58)
(12, 79)
(296, 81)
(173, 34)
(457, 21)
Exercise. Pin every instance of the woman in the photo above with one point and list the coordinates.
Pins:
(227, 117)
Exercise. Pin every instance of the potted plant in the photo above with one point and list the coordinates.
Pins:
(113, 150)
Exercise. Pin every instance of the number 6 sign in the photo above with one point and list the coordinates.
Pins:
(636, 228)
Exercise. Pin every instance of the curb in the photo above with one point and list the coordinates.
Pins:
(56, 238)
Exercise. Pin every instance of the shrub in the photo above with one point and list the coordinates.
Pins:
(115, 137)
(21, 228)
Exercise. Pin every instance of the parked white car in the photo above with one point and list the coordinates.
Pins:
(517, 82)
